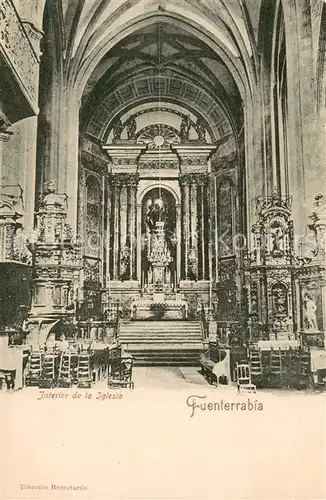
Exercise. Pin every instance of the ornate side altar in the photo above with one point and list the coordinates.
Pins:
(270, 271)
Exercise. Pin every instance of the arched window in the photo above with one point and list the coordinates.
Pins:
(225, 218)
(93, 218)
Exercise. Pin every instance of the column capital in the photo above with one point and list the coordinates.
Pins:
(193, 179)
(124, 180)
(202, 179)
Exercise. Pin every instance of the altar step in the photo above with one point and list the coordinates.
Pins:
(173, 343)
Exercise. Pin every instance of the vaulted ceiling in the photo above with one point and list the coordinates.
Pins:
(161, 63)
(199, 54)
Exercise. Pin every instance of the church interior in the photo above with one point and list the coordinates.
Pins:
(162, 192)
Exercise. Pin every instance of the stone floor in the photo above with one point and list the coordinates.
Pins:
(167, 377)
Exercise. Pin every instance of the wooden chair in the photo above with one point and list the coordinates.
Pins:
(244, 378)
(120, 370)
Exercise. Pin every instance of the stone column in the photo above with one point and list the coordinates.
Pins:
(214, 210)
(123, 212)
(178, 231)
(202, 223)
(124, 156)
(193, 213)
(184, 181)
(139, 248)
(193, 164)
(116, 227)
(132, 206)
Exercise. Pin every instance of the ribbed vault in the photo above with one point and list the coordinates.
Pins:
(165, 64)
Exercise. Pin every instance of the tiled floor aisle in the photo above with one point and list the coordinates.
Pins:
(167, 377)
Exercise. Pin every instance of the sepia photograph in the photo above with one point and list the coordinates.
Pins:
(163, 249)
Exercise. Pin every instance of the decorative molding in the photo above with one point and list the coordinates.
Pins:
(124, 179)
(158, 164)
(158, 136)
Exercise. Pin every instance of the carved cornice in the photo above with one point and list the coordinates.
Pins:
(194, 161)
(124, 161)
(158, 164)
(124, 157)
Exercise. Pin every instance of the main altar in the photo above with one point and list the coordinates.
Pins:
(158, 259)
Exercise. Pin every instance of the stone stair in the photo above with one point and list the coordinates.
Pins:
(172, 343)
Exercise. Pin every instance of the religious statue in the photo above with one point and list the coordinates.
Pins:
(192, 264)
(310, 317)
(131, 128)
(21, 251)
(155, 213)
(185, 128)
(117, 129)
(51, 198)
(277, 236)
(201, 130)
(124, 262)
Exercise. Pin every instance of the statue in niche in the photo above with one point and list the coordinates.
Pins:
(201, 130)
(192, 264)
(277, 236)
(131, 128)
(21, 251)
(310, 317)
(125, 263)
(155, 213)
(117, 129)
(185, 128)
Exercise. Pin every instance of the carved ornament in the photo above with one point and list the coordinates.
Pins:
(158, 136)
(19, 51)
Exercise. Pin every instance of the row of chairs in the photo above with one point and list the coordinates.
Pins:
(71, 367)
(280, 368)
